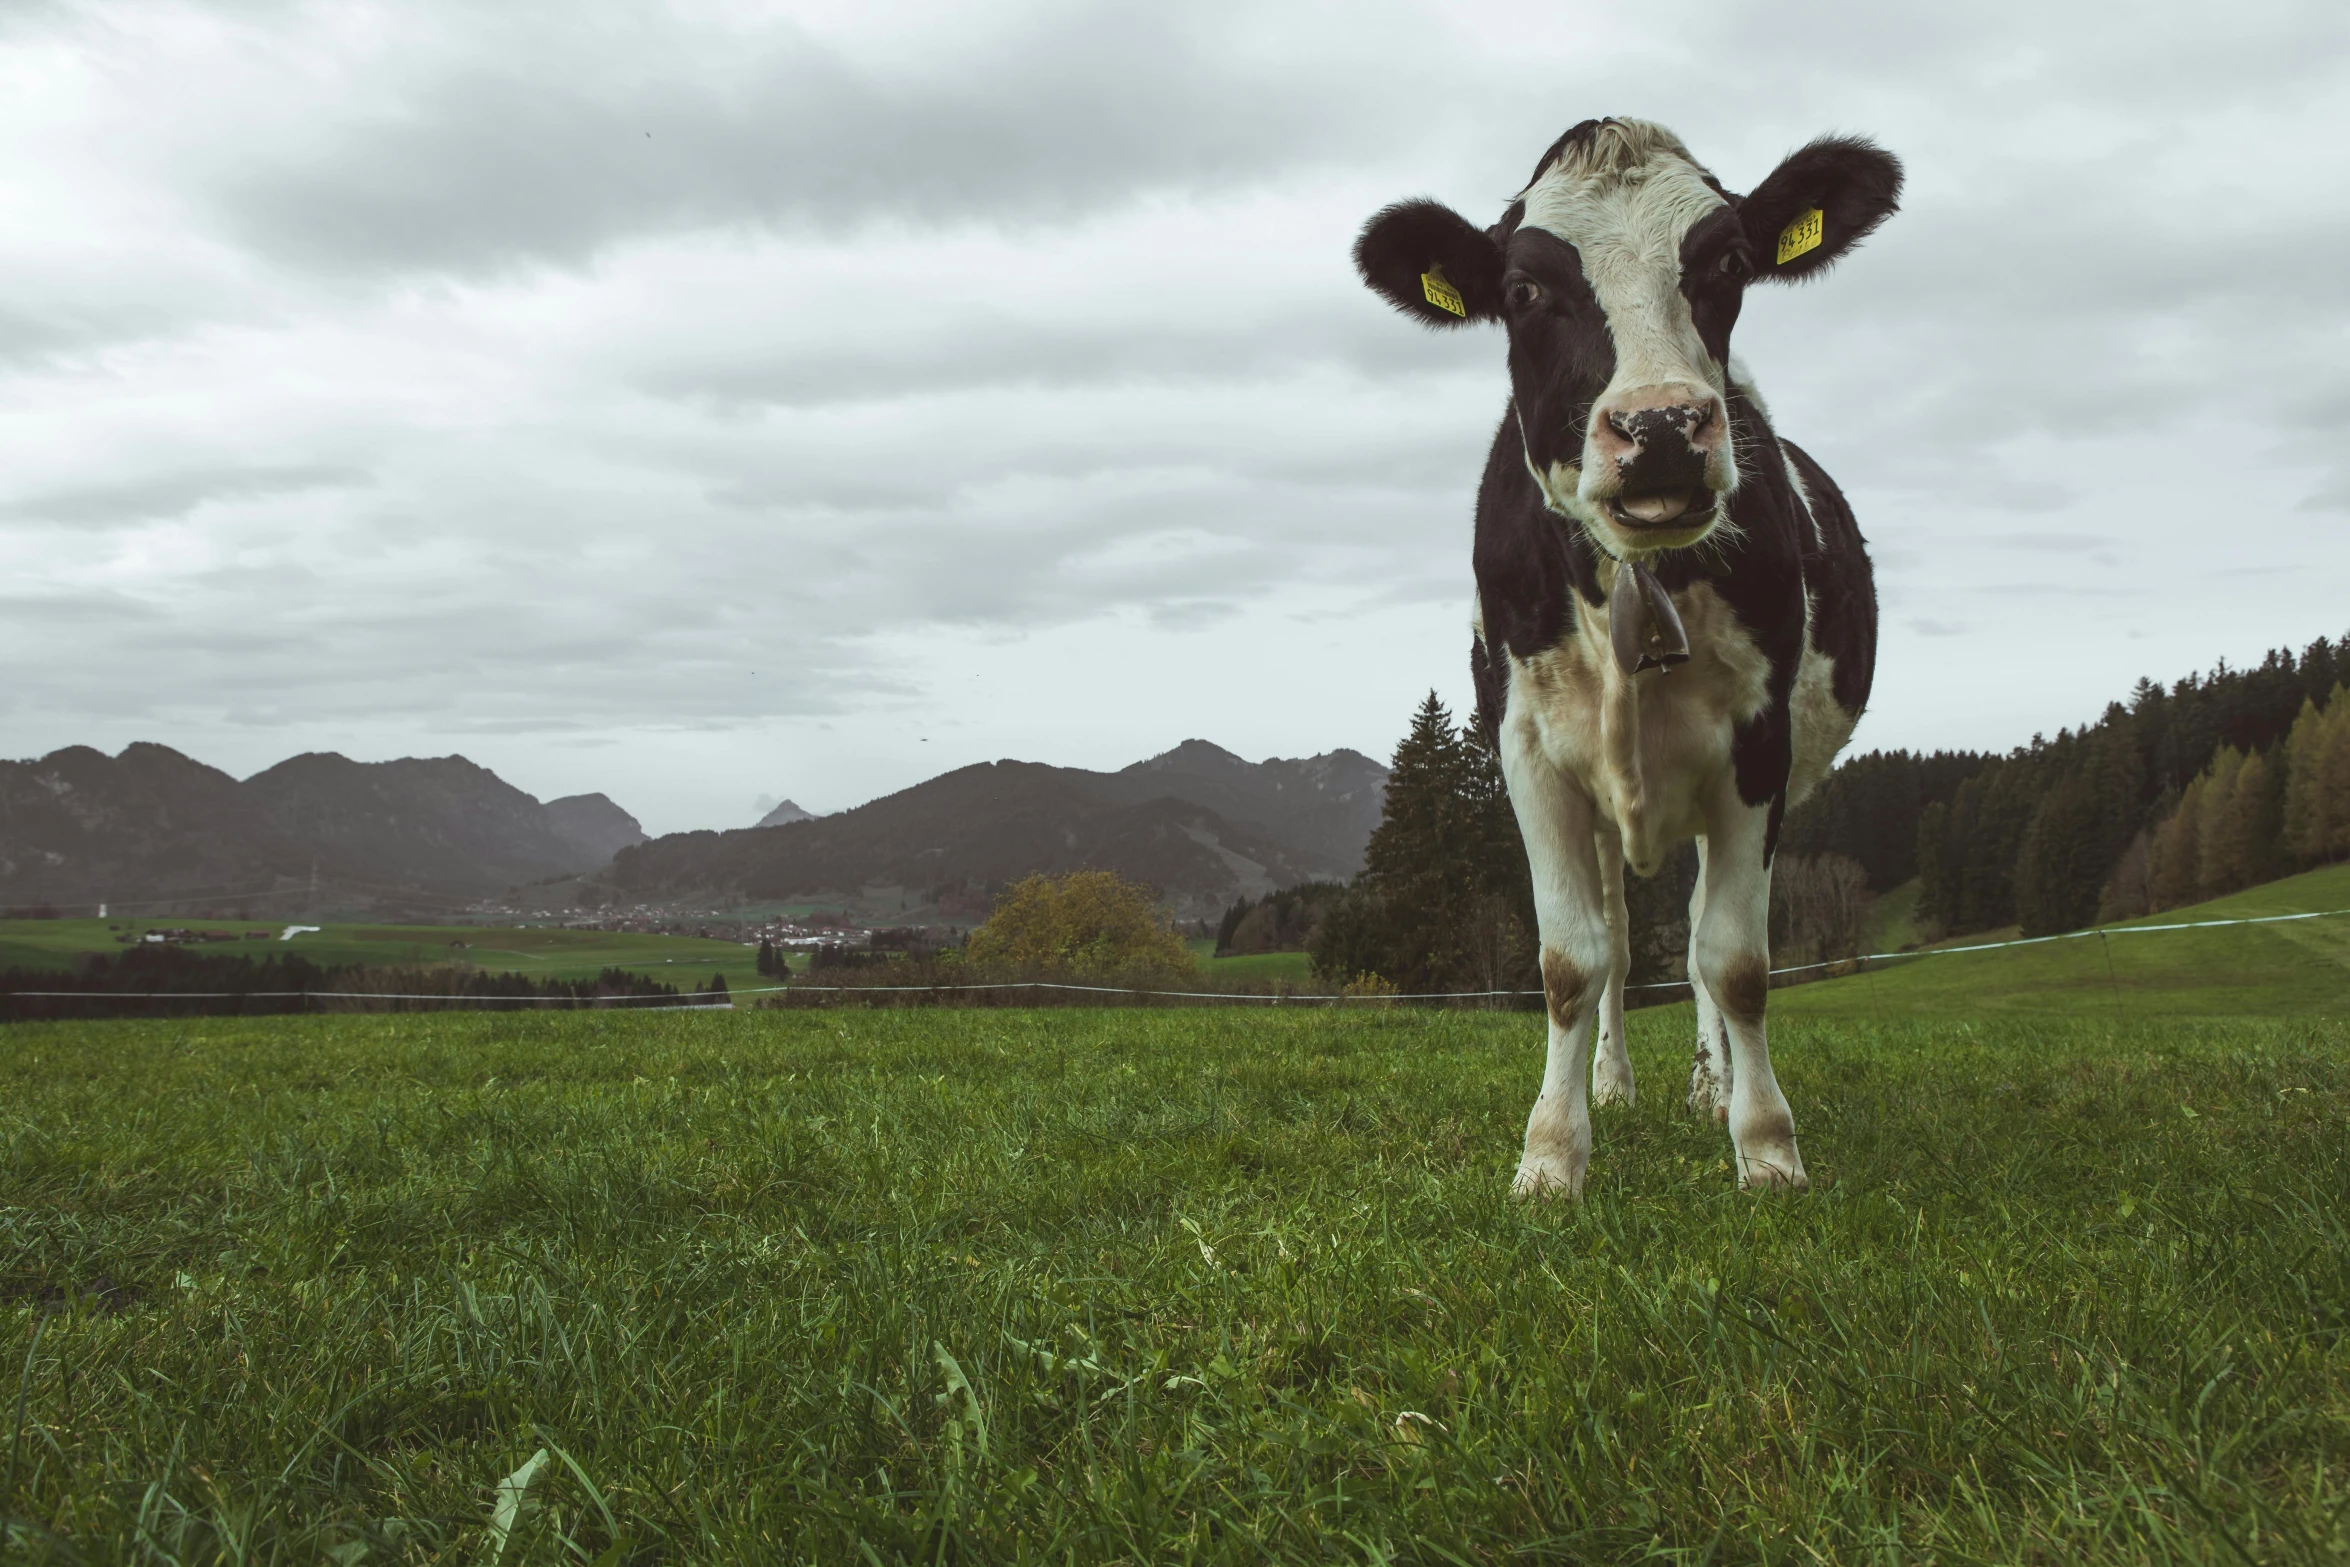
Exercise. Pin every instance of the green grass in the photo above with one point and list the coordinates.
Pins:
(1892, 920)
(538, 952)
(2301, 969)
(1164, 1285)
(1297, 968)
(1254, 968)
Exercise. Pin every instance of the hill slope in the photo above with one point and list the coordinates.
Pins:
(2296, 969)
(1324, 807)
(1198, 823)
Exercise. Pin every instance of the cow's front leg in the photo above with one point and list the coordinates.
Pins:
(1709, 1068)
(1733, 961)
(1557, 821)
(1611, 1061)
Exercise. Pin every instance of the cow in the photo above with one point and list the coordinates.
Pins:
(1676, 624)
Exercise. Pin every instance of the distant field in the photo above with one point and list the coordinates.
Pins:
(1892, 919)
(1297, 968)
(1164, 1286)
(540, 953)
(2300, 969)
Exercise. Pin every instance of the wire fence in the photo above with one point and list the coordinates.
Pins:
(947, 993)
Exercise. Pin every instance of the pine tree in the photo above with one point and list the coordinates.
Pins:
(1442, 902)
(2175, 859)
(2306, 831)
(2224, 857)
(2062, 865)
(1937, 886)
(2316, 806)
(2333, 775)
(1424, 808)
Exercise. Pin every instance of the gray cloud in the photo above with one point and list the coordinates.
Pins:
(374, 380)
(535, 142)
(2056, 543)
(175, 494)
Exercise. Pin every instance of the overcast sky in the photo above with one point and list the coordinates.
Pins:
(700, 403)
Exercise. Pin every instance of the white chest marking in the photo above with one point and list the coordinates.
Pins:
(1647, 748)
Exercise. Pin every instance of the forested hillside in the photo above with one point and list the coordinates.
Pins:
(2218, 782)
(2184, 793)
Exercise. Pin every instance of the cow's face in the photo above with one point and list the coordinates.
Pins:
(1618, 273)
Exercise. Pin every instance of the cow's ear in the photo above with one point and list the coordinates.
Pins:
(1431, 263)
(1825, 199)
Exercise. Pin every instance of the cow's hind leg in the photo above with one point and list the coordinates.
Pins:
(1709, 1070)
(1611, 1062)
(1733, 955)
(1556, 820)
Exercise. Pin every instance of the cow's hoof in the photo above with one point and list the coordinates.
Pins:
(1546, 1176)
(1611, 1082)
(1764, 1170)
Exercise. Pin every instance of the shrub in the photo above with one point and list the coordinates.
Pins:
(1087, 927)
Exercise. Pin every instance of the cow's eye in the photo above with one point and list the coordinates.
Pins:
(1733, 264)
(1522, 293)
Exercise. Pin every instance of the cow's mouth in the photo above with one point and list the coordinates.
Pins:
(1676, 508)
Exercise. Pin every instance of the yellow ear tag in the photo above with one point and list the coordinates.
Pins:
(1800, 236)
(1443, 295)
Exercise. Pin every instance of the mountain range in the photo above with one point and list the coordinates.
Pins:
(1199, 823)
(151, 830)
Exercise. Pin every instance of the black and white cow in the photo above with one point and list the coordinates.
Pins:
(1676, 623)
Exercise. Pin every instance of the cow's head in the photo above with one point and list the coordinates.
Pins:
(1618, 273)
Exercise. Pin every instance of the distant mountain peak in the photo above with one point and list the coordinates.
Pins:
(784, 814)
(593, 823)
(1191, 753)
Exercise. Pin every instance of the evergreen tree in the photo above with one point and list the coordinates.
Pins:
(2315, 813)
(2062, 864)
(1442, 902)
(2224, 843)
(1937, 885)
(2175, 859)
(1226, 927)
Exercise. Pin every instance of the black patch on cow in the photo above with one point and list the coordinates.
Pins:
(1856, 185)
(1402, 242)
(1844, 591)
(1717, 262)
(1561, 353)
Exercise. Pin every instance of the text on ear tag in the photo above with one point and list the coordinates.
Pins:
(1800, 236)
(1444, 296)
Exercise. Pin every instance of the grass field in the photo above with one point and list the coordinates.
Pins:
(2300, 969)
(1294, 968)
(538, 952)
(1154, 1286)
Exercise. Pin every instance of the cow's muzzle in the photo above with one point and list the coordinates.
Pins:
(1663, 457)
